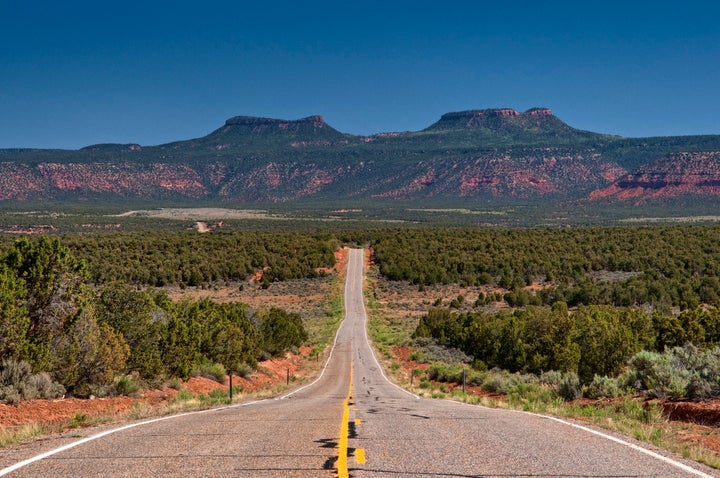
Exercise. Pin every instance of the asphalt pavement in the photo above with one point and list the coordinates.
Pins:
(351, 421)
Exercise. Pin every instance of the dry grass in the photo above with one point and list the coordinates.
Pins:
(14, 435)
(394, 309)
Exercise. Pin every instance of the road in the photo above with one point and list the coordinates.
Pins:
(350, 422)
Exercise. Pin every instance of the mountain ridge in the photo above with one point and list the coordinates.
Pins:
(479, 155)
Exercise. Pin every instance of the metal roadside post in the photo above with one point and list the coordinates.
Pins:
(231, 390)
(463, 380)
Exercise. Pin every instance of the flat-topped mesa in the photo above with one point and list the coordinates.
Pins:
(502, 112)
(316, 121)
(240, 130)
(538, 112)
(501, 121)
(495, 113)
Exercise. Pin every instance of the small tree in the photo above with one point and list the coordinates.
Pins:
(53, 280)
(88, 355)
(141, 320)
(179, 347)
(14, 318)
(282, 330)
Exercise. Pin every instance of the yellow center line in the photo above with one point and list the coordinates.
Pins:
(344, 431)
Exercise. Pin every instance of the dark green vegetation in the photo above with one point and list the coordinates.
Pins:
(592, 343)
(603, 299)
(366, 215)
(58, 334)
(660, 267)
(312, 140)
(88, 311)
(191, 259)
(483, 160)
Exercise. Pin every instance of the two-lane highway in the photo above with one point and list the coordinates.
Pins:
(350, 422)
(404, 436)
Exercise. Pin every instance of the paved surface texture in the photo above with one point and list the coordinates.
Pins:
(350, 422)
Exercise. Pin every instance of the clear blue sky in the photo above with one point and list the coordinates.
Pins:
(74, 73)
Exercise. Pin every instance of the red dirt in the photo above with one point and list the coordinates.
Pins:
(403, 353)
(61, 410)
(702, 419)
(340, 261)
(702, 413)
(341, 256)
(269, 374)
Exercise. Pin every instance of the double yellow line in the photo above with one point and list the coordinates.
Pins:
(344, 432)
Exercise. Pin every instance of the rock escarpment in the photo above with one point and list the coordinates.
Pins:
(674, 176)
(476, 154)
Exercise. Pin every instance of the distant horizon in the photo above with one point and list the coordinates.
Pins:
(81, 73)
(222, 123)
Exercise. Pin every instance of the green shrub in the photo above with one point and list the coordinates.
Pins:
(429, 350)
(244, 370)
(214, 371)
(680, 372)
(640, 374)
(15, 373)
(10, 394)
(603, 387)
(45, 387)
(473, 377)
(442, 372)
(79, 420)
(18, 383)
(502, 382)
(494, 384)
(569, 388)
(219, 395)
(704, 368)
(127, 385)
(453, 373)
(182, 395)
(669, 380)
(552, 378)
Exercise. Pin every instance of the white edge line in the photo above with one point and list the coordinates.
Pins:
(620, 441)
(367, 340)
(332, 349)
(47, 454)
(651, 453)
(322, 372)
(382, 372)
